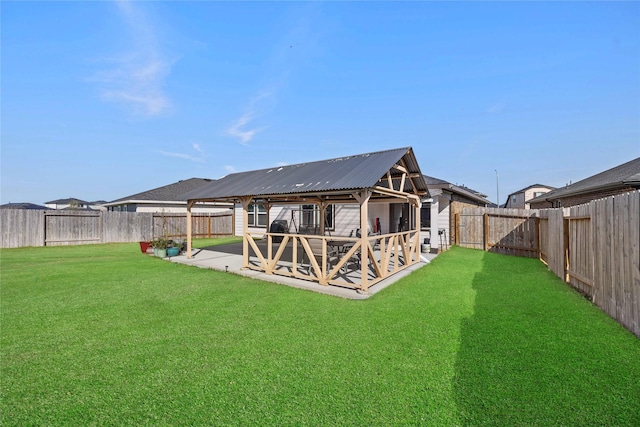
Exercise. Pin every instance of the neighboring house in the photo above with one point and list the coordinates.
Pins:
(520, 199)
(438, 213)
(29, 206)
(167, 198)
(73, 203)
(617, 180)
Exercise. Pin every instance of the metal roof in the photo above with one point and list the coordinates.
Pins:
(169, 193)
(333, 175)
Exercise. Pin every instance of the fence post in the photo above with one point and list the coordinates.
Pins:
(486, 231)
(538, 237)
(565, 233)
(456, 222)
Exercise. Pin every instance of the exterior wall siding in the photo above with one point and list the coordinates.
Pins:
(347, 218)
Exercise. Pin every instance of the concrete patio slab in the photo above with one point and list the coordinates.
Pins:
(228, 258)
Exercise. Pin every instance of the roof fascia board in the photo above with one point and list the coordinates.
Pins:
(146, 202)
(609, 186)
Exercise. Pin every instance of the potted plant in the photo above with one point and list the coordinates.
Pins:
(160, 245)
(173, 248)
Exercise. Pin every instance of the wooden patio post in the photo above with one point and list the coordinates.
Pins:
(323, 213)
(417, 243)
(190, 204)
(267, 208)
(246, 201)
(363, 198)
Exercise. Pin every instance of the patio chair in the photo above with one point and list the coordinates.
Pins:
(316, 249)
(376, 244)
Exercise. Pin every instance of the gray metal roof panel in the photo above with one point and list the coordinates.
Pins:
(170, 192)
(342, 173)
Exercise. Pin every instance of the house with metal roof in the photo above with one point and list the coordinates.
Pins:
(166, 199)
(362, 209)
(617, 180)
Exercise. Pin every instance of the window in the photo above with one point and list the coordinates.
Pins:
(310, 217)
(257, 216)
(425, 216)
(538, 193)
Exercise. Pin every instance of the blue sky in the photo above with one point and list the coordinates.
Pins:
(101, 100)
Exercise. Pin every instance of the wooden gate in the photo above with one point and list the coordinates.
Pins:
(72, 227)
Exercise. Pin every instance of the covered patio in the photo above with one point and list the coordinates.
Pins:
(367, 255)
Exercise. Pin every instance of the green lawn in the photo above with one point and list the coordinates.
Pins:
(104, 335)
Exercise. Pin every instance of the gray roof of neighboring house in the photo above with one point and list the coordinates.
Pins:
(26, 205)
(332, 175)
(531, 186)
(167, 193)
(437, 185)
(68, 201)
(624, 175)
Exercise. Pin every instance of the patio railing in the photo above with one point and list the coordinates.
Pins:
(333, 260)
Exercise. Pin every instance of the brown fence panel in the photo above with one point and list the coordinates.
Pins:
(552, 240)
(513, 232)
(470, 233)
(72, 228)
(126, 227)
(616, 260)
(203, 225)
(213, 225)
(21, 227)
(579, 262)
(505, 231)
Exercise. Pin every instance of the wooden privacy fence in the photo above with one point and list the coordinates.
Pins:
(19, 227)
(506, 231)
(175, 225)
(594, 247)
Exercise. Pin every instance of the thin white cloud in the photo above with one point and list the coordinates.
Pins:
(244, 136)
(241, 128)
(287, 55)
(136, 79)
(229, 169)
(199, 157)
(496, 107)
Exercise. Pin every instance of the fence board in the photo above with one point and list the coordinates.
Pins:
(20, 227)
(13, 222)
(580, 268)
(634, 264)
(506, 231)
(69, 228)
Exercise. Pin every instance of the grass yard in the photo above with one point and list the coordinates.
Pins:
(104, 335)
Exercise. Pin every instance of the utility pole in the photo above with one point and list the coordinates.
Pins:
(497, 190)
